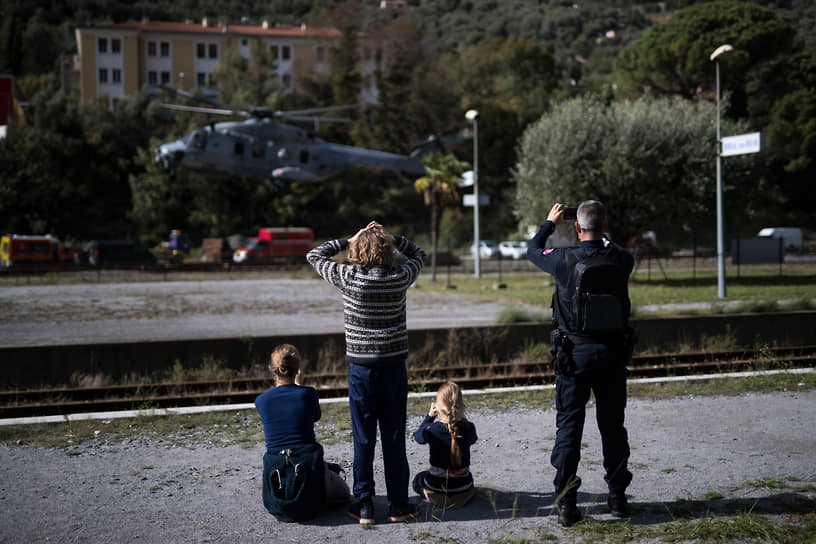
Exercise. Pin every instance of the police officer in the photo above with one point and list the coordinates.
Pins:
(586, 363)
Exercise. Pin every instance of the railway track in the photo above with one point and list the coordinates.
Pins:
(62, 401)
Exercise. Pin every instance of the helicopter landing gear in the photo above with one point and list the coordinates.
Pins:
(281, 186)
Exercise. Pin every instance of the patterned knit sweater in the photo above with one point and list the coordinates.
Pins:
(373, 300)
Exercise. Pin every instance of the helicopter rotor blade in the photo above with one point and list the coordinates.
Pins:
(198, 109)
(174, 92)
(310, 111)
(310, 118)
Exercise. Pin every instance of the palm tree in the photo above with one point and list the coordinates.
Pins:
(438, 188)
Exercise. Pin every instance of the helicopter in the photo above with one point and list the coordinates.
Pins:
(262, 147)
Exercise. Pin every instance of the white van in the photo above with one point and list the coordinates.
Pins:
(791, 237)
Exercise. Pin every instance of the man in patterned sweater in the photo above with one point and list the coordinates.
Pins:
(373, 289)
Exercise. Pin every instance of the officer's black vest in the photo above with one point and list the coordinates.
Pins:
(596, 302)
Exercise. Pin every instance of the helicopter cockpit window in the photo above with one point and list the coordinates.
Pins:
(239, 147)
(199, 139)
(304, 156)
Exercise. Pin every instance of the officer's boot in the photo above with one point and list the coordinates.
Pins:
(567, 498)
(617, 502)
(568, 513)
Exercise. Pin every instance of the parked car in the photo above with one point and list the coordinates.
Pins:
(513, 250)
(487, 249)
(101, 252)
(791, 236)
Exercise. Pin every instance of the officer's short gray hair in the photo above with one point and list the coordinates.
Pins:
(591, 215)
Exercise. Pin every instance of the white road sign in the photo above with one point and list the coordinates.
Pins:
(741, 144)
(484, 200)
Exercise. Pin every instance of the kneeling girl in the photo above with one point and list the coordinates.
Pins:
(449, 439)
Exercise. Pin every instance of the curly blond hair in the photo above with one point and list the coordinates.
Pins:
(372, 248)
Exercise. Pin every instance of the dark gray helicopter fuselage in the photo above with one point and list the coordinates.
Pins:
(267, 149)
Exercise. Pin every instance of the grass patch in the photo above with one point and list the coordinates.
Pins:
(508, 316)
(744, 527)
(243, 427)
(757, 287)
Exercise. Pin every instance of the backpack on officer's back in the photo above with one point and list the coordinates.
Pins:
(599, 289)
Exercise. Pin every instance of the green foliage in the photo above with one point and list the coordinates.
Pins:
(648, 160)
(439, 189)
(673, 57)
(509, 316)
(248, 82)
(768, 78)
(516, 74)
(66, 171)
(510, 60)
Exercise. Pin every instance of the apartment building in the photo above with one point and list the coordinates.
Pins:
(115, 60)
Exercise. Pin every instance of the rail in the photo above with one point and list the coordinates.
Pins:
(60, 401)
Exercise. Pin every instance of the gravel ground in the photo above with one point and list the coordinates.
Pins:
(111, 312)
(683, 450)
(143, 490)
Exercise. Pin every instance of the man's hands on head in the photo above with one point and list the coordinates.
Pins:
(373, 225)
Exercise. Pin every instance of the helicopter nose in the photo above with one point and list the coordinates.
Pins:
(168, 158)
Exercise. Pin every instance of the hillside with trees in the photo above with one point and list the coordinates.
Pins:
(535, 70)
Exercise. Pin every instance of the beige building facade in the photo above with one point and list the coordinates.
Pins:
(116, 60)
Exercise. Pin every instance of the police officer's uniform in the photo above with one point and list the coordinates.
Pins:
(598, 367)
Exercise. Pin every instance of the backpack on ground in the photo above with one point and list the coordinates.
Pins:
(294, 485)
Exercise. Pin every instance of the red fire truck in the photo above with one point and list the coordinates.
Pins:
(19, 249)
(275, 245)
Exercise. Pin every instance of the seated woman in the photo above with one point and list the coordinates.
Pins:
(448, 482)
(297, 483)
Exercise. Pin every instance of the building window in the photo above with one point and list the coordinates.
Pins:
(103, 45)
(201, 50)
(286, 52)
(116, 45)
(201, 79)
(213, 50)
(151, 49)
(116, 75)
(103, 75)
(165, 78)
(165, 49)
(152, 77)
(320, 53)
(273, 49)
(244, 42)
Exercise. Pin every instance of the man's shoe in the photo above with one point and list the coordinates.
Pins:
(617, 503)
(568, 513)
(363, 510)
(402, 511)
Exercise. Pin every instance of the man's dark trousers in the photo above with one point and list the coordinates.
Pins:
(599, 369)
(379, 395)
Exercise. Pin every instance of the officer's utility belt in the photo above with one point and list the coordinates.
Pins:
(606, 340)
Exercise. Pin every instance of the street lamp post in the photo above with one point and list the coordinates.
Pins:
(473, 115)
(723, 49)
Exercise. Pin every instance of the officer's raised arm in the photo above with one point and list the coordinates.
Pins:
(556, 214)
